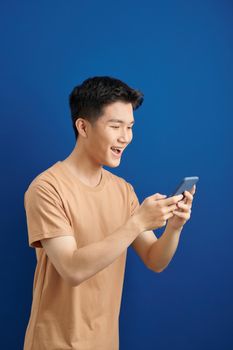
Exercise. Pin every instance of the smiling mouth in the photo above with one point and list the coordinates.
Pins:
(117, 151)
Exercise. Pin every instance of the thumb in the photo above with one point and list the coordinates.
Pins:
(157, 196)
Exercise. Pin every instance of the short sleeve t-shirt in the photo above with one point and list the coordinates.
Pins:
(84, 317)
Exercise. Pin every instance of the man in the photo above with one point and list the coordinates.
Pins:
(82, 218)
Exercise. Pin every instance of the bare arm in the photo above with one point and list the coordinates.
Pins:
(162, 251)
(76, 265)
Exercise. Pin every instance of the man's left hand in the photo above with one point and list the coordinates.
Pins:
(183, 212)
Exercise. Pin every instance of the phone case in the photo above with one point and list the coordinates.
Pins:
(185, 185)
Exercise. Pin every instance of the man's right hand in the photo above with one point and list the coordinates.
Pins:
(155, 210)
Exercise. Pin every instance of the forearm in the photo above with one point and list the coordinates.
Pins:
(163, 250)
(90, 259)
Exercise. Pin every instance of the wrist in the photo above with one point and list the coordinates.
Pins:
(136, 220)
(173, 229)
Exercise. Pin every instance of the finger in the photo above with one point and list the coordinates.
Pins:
(189, 197)
(171, 200)
(184, 206)
(168, 216)
(170, 208)
(182, 214)
(193, 190)
(157, 196)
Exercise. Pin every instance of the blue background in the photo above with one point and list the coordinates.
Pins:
(180, 54)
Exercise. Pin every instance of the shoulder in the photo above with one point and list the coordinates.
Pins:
(46, 181)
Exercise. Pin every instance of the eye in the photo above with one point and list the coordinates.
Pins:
(117, 127)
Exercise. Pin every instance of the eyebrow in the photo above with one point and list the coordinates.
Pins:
(119, 121)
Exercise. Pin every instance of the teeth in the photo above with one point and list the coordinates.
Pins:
(116, 150)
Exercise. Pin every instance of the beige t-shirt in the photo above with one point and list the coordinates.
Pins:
(84, 317)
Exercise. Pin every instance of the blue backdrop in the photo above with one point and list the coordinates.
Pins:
(180, 54)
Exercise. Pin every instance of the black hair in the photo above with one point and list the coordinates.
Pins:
(88, 99)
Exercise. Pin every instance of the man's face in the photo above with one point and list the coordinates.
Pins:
(112, 129)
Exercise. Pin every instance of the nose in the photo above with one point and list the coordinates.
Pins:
(125, 137)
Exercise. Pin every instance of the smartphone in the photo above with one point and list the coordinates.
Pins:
(185, 185)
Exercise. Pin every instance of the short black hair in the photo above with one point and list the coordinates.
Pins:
(88, 99)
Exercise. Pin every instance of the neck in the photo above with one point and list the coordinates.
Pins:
(83, 166)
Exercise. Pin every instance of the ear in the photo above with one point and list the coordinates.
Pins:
(82, 126)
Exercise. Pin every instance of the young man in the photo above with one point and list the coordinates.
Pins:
(81, 219)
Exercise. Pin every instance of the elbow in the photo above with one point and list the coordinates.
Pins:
(69, 280)
(155, 269)
(153, 265)
(73, 281)
(159, 270)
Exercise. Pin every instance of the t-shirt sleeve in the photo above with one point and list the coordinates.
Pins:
(134, 202)
(45, 214)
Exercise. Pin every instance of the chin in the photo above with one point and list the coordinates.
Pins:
(112, 164)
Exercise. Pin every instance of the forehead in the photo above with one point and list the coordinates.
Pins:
(118, 110)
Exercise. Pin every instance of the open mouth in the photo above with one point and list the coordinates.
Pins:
(116, 150)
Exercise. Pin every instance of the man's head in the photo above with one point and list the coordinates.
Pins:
(102, 116)
(88, 100)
